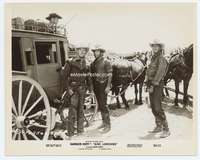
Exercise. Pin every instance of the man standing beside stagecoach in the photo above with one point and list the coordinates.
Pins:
(101, 75)
(154, 79)
(76, 83)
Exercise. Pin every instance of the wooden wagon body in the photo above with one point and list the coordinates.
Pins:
(37, 59)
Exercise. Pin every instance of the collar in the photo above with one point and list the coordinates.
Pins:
(156, 54)
(98, 59)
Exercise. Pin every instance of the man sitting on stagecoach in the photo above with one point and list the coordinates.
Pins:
(75, 83)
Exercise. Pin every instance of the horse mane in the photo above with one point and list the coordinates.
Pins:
(185, 61)
(187, 50)
(188, 57)
(174, 55)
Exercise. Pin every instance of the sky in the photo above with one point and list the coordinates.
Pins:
(121, 28)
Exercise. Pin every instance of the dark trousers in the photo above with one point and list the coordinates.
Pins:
(76, 110)
(156, 106)
(99, 90)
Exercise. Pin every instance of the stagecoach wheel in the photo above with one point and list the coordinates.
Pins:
(30, 110)
(91, 108)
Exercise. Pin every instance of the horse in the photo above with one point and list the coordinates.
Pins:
(126, 73)
(180, 68)
(140, 80)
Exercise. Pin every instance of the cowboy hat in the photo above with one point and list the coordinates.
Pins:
(82, 46)
(53, 15)
(156, 42)
(99, 49)
(86, 48)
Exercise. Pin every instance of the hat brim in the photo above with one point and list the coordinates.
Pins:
(53, 15)
(83, 48)
(160, 44)
(100, 49)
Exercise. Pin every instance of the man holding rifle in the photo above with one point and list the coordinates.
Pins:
(75, 84)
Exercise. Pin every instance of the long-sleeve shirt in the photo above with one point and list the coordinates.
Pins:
(101, 69)
(156, 69)
(76, 72)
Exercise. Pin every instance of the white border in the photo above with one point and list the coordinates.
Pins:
(2, 120)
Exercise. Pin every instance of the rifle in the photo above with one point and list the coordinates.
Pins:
(63, 102)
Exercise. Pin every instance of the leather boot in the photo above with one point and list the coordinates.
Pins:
(105, 120)
(165, 133)
(157, 129)
(106, 129)
(107, 126)
(165, 126)
(101, 126)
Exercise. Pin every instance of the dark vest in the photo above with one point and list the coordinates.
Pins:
(100, 69)
(78, 71)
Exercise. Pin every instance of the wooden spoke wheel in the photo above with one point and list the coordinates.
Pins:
(90, 108)
(90, 111)
(30, 110)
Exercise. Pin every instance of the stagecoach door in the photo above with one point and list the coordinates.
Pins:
(48, 65)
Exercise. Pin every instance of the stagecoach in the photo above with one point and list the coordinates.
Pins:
(37, 60)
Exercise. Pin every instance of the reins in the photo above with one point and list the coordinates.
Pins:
(132, 81)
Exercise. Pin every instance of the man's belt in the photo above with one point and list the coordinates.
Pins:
(74, 83)
(101, 81)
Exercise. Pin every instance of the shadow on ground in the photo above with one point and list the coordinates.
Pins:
(168, 106)
(150, 136)
(117, 112)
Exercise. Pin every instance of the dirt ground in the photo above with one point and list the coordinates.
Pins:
(135, 123)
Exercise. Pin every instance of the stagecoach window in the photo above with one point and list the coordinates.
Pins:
(46, 52)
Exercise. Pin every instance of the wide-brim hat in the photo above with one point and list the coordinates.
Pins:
(86, 48)
(99, 49)
(82, 46)
(157, 42)
(52, 15)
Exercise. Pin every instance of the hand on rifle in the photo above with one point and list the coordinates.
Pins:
(91, 90)
(70, 91)
(107, 89)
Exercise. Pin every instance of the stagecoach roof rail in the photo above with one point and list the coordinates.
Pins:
(36, 28)
(38, 32)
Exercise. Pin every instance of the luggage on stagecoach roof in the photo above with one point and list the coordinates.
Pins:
(38, 25)
(30, 24)
(18, 23)
(34, 25)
